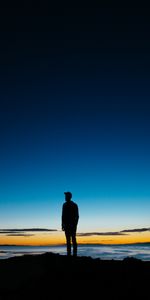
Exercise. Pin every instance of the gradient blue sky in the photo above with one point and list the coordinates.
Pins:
(75, 115)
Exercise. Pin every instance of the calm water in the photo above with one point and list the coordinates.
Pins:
(118, 252)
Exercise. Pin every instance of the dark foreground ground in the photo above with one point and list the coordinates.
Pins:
(52, 276)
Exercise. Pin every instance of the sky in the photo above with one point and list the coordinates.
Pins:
(74, 116)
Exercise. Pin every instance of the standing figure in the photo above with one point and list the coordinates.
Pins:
(70, 217)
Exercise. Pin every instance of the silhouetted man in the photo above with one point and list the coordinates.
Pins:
(70, 217)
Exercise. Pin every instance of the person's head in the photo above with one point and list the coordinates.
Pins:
(68, 196)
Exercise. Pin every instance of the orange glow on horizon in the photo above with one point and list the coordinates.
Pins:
(59, 239)
(126, 239)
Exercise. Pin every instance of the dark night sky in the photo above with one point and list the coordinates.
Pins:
(74, 111)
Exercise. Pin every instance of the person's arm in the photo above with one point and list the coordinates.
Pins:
(77, 214)
(62, 219)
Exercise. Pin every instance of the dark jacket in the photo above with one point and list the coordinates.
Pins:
(70, 215)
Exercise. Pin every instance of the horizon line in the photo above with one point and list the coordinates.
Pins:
(79, 244)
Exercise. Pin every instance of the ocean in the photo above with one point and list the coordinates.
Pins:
(105, 252)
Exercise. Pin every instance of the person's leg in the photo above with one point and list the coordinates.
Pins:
(68, 240)
(74, 242)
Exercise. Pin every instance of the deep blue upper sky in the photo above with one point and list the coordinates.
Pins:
(74, 113)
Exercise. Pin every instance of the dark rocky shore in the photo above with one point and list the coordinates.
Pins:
(53, 276)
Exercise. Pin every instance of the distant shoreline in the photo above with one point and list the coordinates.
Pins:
(79, 244)
(103, 251)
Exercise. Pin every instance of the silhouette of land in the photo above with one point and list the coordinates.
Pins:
(54, 276)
